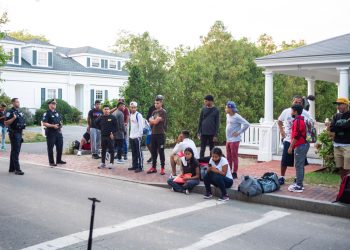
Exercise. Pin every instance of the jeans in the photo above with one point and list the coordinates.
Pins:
(3, 130)
(107, 143)
(137, 156)
(232, 155)
(157, 146)
(222, 182)
(206, 140)
(16, 143)
(189, 185)
(119, 148)
(126, 141)
(54, 139)
(95, 140)
(300, 153)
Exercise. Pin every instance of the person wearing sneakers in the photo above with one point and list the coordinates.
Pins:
(189, 165)
(85, 143)
(235, 126)
(108, 124)
(183, 142)
(340, 126)
(120, 131)
(158, 121)
(218, 174)
(3, 128)
(136, 133)
(95, 133)
(300, 146)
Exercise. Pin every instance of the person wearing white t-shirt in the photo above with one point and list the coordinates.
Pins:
(285, 121)
(183, 142)
(218, 174)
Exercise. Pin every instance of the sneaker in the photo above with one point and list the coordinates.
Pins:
(152, 170)
(172, 176)
(187, 192)
(101, 166)
(19, 172)
(120, 161)
(125, 158)
(132, 169)
(172, 189)
(110, 165)
(224, 198)
(79, 153)
(149, 160)
(281, 181)
(207, 196)
(295, 188)
(61, 162)
(138, 170)
(162, 171)
(95, 156)
(234, 175)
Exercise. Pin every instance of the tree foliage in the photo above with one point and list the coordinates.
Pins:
(3, 55)
(24, 35)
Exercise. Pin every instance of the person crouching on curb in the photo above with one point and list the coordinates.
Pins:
(107, 123)
(300, 146)
(218, 174)
(189, 165)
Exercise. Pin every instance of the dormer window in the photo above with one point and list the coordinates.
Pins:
(42, 58)
(14, 55)
(95, 62)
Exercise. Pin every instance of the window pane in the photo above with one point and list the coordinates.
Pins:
(112, 64)
(42, 58)
(9, 51)
(95, 62)
(51, 94)
(98, 95)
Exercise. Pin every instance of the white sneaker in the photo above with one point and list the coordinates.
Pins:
(120, 162)
(110, 165)
(101, 166)
(79, 153)
(187, 192)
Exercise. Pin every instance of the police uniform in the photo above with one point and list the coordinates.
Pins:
(15, 130)
(54, 136)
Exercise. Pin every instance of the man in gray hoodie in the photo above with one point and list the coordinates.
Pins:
(121, 131)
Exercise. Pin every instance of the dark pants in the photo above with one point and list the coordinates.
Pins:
(107, 144)
(217, 180)
(119, 147)
(16, 143)
(54, 139)
(137, 156)
(206, 140)
(189, 185)
(157, 146)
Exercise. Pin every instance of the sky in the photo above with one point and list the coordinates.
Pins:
(74, 23)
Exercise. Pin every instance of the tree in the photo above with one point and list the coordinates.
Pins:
(24, 35)
(3, 55)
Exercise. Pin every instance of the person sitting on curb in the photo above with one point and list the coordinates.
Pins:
(340, 125)
(183, 142)
(189, 165)
(108, 124)
(218, 174)
(300, 146)
(84, 143)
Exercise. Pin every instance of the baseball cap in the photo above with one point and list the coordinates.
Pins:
(232, 105)
(159, 98)
(133, 104)
(342, 100)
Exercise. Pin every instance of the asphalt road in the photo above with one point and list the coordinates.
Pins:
(46, 204)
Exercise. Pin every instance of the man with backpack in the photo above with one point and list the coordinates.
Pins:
(340, 126)
(136, 133)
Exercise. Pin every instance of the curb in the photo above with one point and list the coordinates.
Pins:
(271, 199)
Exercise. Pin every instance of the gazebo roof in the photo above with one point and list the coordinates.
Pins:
(319, 60)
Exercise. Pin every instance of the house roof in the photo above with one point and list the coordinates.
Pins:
(37, 41)
(339, 45)
(89, 50)
(11, 39)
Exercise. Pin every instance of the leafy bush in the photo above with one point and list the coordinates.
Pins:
(5, 99)
(28, 116)
(324, 147)
(69, 114)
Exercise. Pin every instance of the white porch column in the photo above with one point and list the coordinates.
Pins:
(311, 91)
(343, 87)
(268, 108)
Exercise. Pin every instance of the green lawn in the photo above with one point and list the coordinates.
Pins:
(30, 137)
(322, 178)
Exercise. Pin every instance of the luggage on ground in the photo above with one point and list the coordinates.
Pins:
(250, 186)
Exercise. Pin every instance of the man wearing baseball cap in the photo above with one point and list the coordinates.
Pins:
(340, 126)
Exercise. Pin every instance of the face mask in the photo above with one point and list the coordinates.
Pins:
(293, 116)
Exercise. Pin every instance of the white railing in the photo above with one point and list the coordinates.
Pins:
(251, 136)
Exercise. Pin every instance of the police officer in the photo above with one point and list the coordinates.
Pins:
(15, 122)
(53, 123)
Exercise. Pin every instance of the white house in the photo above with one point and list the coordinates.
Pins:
(38, 71)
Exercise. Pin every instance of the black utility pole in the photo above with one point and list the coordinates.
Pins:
(94, 200)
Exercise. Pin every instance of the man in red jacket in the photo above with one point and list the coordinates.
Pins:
(301, 147)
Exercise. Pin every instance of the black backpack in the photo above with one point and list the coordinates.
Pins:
(344, 190)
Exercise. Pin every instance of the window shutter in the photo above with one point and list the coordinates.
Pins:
(119, 65)
(16, 56)
(92, 98)
(88, 62)
(34, 57)
(59, 94)
(106, 64)
(106, 94)
(50, 59)
(42, 95)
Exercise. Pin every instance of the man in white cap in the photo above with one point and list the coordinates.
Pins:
(136, 133)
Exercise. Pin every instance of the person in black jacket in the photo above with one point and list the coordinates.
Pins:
(208, 127)
(340, 126)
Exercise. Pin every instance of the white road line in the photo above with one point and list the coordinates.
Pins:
(234, 230)
(137, 222)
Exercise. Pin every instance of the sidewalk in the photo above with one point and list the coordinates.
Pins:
(313, 199)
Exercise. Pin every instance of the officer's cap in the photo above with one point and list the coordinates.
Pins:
(52, 101)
